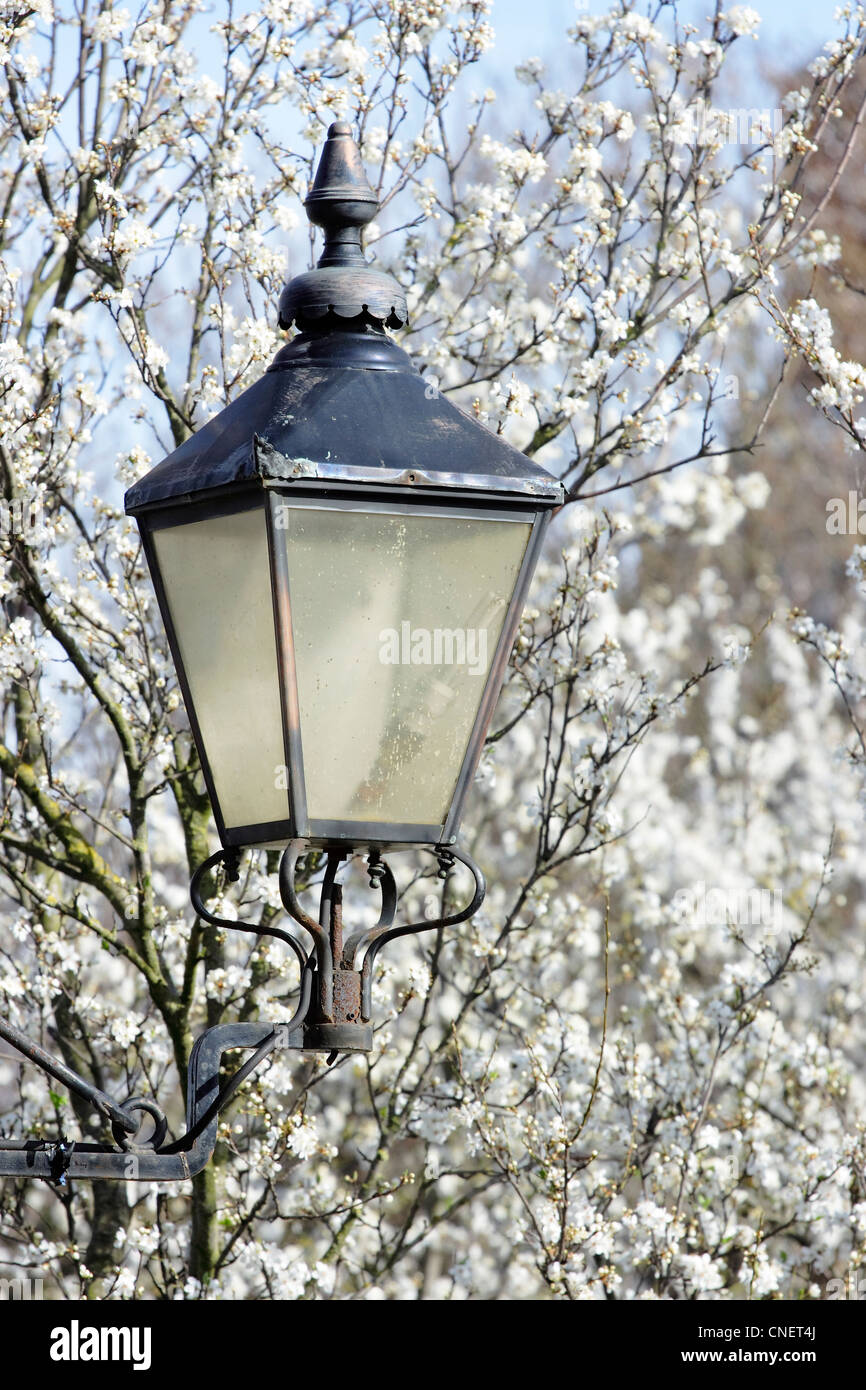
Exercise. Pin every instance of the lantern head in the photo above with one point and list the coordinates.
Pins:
(341, 557)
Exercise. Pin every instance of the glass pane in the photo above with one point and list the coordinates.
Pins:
(217, 578)
(395, 616)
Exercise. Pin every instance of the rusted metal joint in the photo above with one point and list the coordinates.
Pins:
(343, 1030)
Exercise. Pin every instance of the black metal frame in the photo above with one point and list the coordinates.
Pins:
(333, 1015)
(153, 1161)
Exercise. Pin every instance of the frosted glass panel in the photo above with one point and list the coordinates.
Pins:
(395, 618)
(217, 578)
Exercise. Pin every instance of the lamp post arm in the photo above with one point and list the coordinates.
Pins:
(153, 1161)
(59, 1070)
(201, 1116)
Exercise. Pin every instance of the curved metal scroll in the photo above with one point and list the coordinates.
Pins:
(222, 857)
(380, 873)
(318, 930)
(372, 940)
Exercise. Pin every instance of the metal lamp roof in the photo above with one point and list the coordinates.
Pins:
(341, 401)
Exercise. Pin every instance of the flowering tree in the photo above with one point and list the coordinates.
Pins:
(635, 1072)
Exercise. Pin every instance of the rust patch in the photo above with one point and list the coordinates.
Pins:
(347, 996)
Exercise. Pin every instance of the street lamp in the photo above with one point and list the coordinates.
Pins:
(340, 559)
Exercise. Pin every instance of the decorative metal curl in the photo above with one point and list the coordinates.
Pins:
(319, 933)
(387, 885)
(365, 944)
(372, 941)
(229, 859)
(131, 1142)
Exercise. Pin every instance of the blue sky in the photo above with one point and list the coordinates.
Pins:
(792, 33)
(795, 29)
(802, 25)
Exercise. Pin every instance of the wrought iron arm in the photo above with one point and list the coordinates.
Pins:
(153, 1161)
(59, 1070)
(333, 1015)
(201, 1116)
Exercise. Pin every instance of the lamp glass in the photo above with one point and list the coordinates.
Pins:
(216, 576)
(395, 615)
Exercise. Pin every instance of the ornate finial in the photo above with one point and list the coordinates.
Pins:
(343, 286)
